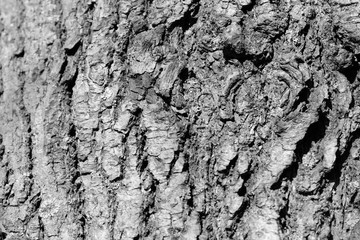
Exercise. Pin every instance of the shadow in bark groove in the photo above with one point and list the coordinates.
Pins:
(246, 176)
(235, 50)
(351, 72)
(148, 210)
(238, 216)
(70, 84)
(303, 96)
(41, 229)
(72, 50)
(353, 198)
(249, 8)
(142, 163)
(91, 7)
(190, 200)
(335, 173)
(283, 215)
(230, 166)
(74, 164)
(189, 19)
(314, 133)
(182, 141)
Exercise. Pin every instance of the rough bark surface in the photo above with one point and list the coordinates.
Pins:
(179, 119)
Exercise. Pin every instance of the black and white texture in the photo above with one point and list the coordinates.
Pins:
(179, 119)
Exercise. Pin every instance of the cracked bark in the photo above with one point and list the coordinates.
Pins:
(164, 119)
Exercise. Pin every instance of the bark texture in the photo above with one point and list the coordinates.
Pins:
(179, 119)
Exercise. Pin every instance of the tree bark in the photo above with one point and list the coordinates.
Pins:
(168, 119)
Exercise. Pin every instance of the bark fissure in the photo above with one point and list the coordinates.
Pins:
(191, 119)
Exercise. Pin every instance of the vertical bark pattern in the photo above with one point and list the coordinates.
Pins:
(168, 119)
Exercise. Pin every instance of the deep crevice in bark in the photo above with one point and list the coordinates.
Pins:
(184, 135)
(3, 235)
(301, 98)
(28, 141)
(107, 35)
(246, 177)
(148, 209)
(335, 173)
(69, 85)
(73, 49)
(41, 229)
(314, 134)
(238, 215)
(351, 72)
(248, 8)
(283, 216)
(189, 18)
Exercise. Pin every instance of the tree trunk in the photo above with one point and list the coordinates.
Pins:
(169, 119)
